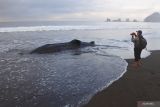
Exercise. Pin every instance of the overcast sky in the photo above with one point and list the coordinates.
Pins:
(23, 10)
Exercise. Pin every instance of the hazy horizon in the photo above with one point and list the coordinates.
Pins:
(72, 10)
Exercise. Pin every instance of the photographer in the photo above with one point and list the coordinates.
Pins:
(139, 44)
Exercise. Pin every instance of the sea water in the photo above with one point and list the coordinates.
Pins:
(69, 78)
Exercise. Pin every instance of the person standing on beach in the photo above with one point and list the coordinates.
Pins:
(139, 44)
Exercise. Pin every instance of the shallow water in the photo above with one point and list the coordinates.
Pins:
(55, 80)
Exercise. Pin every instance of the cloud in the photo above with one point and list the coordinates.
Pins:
(75, 9)
(41, 8)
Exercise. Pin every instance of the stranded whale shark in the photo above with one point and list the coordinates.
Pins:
(51, 48)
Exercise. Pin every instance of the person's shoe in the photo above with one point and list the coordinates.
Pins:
(136, 64)
(139, 63)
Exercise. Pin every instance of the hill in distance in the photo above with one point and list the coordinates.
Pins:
(155, 17)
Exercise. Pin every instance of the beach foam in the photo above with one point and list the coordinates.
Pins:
(55, 28)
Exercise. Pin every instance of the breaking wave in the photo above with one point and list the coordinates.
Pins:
(55, 28)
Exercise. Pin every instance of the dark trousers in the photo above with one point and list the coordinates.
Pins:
(137, 53)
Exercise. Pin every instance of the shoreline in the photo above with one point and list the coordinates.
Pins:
(142, 84)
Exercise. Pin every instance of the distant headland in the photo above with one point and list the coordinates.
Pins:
(120, 20)
(154, 17)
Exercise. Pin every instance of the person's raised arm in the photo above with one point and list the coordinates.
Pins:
(133, 36)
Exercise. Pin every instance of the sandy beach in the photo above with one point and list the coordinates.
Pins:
(142, 84)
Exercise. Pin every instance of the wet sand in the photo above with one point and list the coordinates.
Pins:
(142, 84)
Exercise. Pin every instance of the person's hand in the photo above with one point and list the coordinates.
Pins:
(133, 34)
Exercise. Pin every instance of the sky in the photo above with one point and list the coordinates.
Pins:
(76, 10)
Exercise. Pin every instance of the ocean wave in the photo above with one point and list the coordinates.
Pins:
(56, 28)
